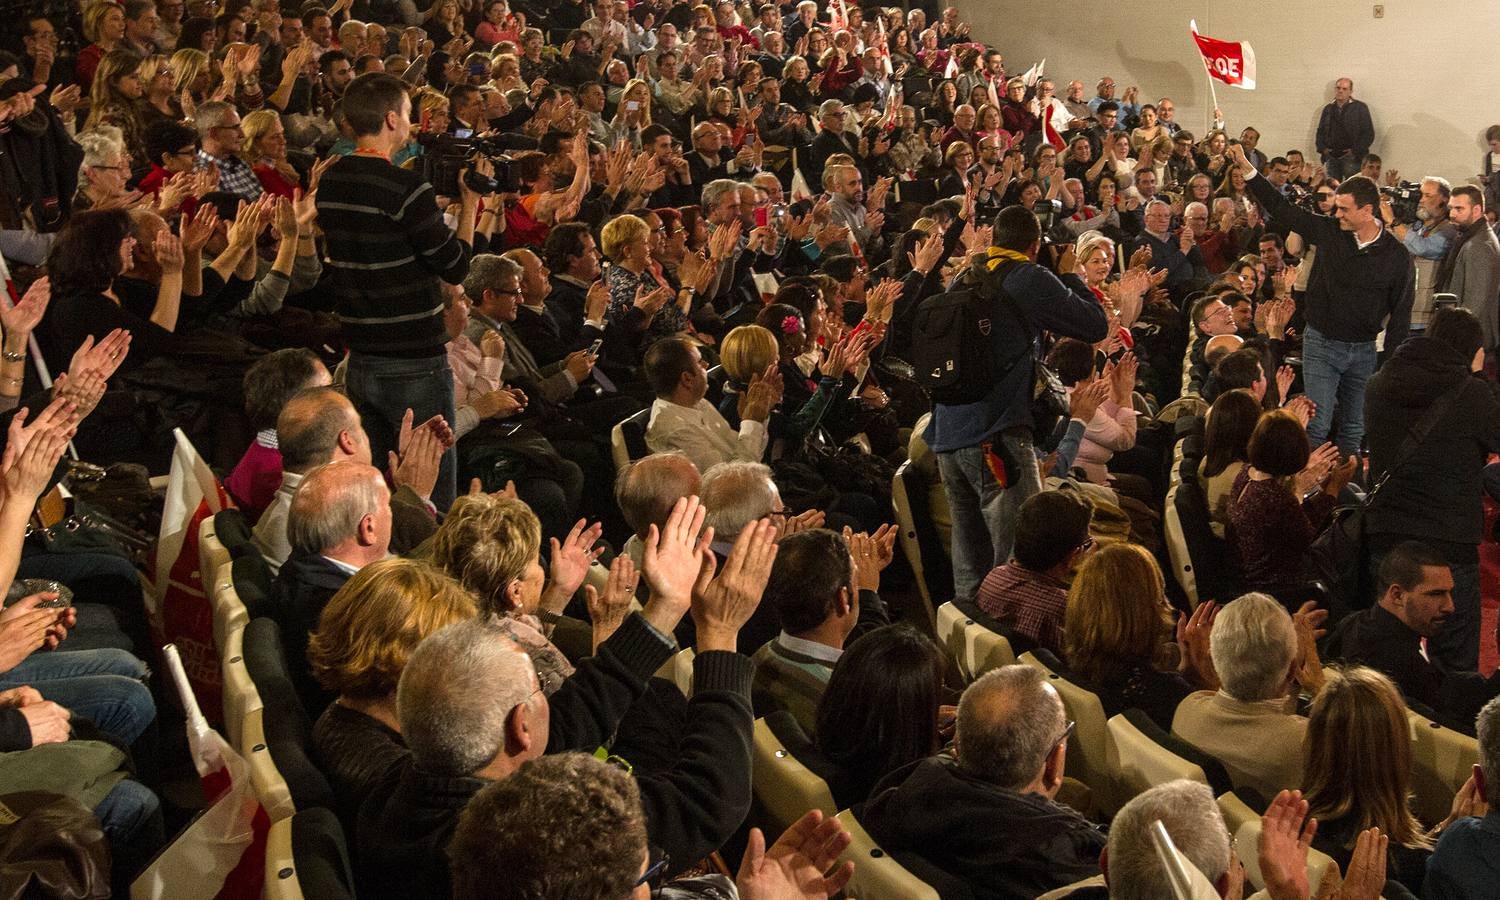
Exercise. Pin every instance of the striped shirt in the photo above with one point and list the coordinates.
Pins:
(388, 251)
(791, 674)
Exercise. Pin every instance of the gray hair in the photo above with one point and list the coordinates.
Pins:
(1222, 201)
(102, 145)
(485, 272)
(1187, 210)
(211, 115)
(1008, 722)
(1444, 188)
(457, 693)
(330, 503)
(1487, 725)
(736, 494)
(647, 489)
(1191, 817)
(714, 191)
(1253, 644)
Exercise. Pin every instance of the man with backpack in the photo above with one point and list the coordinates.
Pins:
(978, 347)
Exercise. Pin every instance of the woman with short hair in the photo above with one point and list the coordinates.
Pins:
(365, 636)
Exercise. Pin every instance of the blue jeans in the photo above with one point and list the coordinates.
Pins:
(131, 816)
(104, 686)
(984, 514)
(383, 388)
(1341, 167)
(1335, 373)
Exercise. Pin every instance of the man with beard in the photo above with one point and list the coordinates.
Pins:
(1427, 240)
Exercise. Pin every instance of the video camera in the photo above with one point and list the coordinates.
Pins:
(1404, 198)
(445, 156)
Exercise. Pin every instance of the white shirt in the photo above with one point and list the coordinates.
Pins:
(703, 435)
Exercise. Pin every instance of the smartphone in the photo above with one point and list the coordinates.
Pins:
(594, 347)
(463, 132)
(632, 106)
(762, 217)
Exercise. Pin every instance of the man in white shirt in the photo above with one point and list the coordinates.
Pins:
(682, 420)
(604, 22)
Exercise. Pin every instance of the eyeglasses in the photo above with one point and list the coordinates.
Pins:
(1067, 733)
(654, 873)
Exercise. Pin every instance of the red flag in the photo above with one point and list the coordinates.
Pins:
(1232, 62)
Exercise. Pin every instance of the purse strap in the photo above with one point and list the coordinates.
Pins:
(1416, 435)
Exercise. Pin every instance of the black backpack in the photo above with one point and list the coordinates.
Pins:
(953, 356)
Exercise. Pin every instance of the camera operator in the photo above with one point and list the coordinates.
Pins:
(1427, 238)
(1361, 281)
(388, 293)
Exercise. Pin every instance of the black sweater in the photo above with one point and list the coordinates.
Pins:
(388, 251)
(1351, 290)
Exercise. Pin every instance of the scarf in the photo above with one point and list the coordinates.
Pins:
(1450, 259)
(996, 255)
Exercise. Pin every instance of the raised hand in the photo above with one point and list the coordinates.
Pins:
(28, 471)
(103, 358)
(416, 467)
(608, 610)
(19, 320)
(671, 562)
(1193, 644)
(803, 521)
(794, 867)
(571, 558)
(928, 254)
(1286, 834)
(723, 604)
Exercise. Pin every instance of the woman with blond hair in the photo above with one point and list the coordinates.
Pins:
(104, 27)
(633, 113)
(365, 635)
(1119, 640)
(191, 76)
(1357, 763)
(626, 242)
(157, 101)
(492, 546)
(265, 151)
(113, 102)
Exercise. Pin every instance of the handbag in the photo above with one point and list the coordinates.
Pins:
(1340, 556)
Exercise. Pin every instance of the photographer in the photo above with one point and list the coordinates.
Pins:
(388, 294)
(1425, 231)
(1361, 282)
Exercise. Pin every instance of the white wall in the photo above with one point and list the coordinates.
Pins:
(1428, 94)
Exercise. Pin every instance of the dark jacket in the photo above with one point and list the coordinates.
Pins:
(1351, 291)
(404, 828)
(1185, 271)
(815, 157)
(1345, 128)
(1062, 306)
(303, 587)
(1376, 638)
(1005, 845)
(1436, 495)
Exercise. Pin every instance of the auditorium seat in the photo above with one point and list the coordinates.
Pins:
(1442, 760)
(1142, 755)
(627, 440)
(240, 696)
(306, 856)
(877, 875)
(224, 602)
(1088, 749)
(1247, 837)
(679, 670)
(285, 725)
(785, 788)
(921, 542)
(212, 554)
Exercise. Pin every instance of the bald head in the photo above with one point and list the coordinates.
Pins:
(647, 489)
(318, 426)
(342, 511)
(1010, 724)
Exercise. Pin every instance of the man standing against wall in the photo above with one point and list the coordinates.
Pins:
(1361, 283)
(1345, 131)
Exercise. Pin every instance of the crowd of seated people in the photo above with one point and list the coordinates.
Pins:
(539, 341)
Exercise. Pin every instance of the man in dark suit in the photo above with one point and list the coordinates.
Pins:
(339, 522)
(829, 141)
(537, 319)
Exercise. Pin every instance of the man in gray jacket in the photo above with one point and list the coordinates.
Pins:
(1471, 267)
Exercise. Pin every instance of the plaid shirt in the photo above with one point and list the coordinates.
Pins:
(235, 175)
(1030, 603)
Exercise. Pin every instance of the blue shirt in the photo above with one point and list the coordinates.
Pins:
(1466, 863)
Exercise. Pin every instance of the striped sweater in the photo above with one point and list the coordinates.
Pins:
(388, 249)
